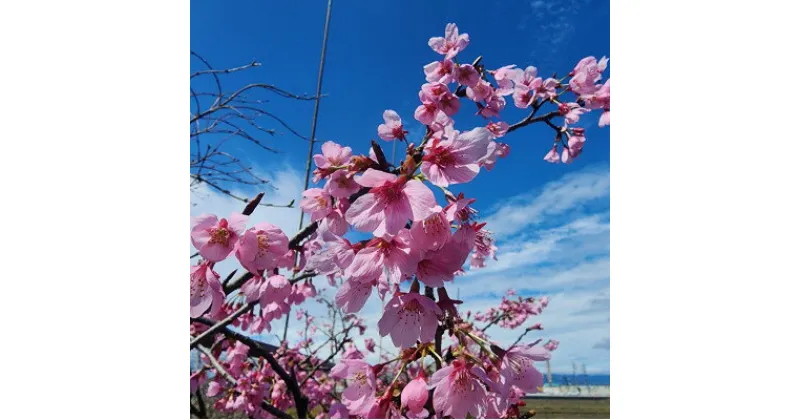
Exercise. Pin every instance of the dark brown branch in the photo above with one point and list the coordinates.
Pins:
(233, 96)
(234, 196)
(301, 402)
(226, 71)
(497, 319)
(265, 405)
(221, 324)
(303, 234)
(530, 119)
(379, 155)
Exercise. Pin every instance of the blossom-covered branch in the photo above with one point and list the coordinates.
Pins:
(446, 363)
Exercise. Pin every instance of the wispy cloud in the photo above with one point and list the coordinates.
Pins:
(572, 193)
(553, 22)
(554, 241)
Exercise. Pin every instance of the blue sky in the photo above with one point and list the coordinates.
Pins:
(551, 221)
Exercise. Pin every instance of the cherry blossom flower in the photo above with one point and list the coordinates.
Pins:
(455, 159)
(317, 202)
(262, 247)
(215, 240)
(391, 201)
(451, 44)
(205, 290)
(333, 155)
(518, 370)
(409, 317)
(439, 71)
(359, 396)
(466, 75)
(392, 128)
(341, 184)
(459, 390)
(415, 395)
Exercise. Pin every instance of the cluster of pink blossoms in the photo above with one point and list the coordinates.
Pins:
(417, 248)
(513, 313)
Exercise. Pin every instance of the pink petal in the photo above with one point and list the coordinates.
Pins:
(390, 116)
(366, 213)
(331, 149)
(421, 199)
(437, 44)
(374, 178)
(352, 295)
(461, 174)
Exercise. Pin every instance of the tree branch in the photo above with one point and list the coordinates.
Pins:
(301, 402)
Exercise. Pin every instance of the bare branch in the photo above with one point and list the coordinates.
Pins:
(226, 71)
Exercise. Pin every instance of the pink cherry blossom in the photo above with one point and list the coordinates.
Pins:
(359, 395)
(439, 71)
(393, 255)
(426, 112)
(338, 411)
(317, 202)
(494, 104)
(518, 370)
(341, 184)
(205, 290)
(391, 201)
(523, 97)
(480, 90)
(273, 311)
(605, 118)
(334, 223)
(496, 150)
(545, 89)
(527, 78)
(572, 112)
(438, 266)
(415, 394)
(455, 160)
(506, 77)
(431, 233)
(369, 344)
(392, 128)
(566, 155)
(551, 345)
(552, 155)
(253, 288)
(439, 94)
(498, 129)
(440, 122)
(451, 44)
(215, 240)
(353, 294)
(262, 247)
(466, 75)
(459, 390)
(333, 155)
(586, 73)
(409, 317)
(352, 352)
(275, 289)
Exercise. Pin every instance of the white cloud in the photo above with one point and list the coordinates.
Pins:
(555, 241)
(555, 21)
(556, 198)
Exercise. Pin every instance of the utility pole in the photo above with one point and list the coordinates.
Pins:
(313, 137)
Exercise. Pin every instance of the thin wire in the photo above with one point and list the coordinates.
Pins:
(313, 137)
